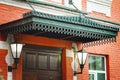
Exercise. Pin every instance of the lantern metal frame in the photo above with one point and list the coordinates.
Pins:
(83, 62)
(16, 58)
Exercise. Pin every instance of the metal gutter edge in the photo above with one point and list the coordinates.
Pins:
(100, 19)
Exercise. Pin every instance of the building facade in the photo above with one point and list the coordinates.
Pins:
(50, 28)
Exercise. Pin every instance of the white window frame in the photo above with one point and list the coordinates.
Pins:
(98, 71)
(102, 2)
(101, 6)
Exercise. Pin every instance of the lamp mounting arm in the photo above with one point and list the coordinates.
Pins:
(81, 67)
(16, 61)
(30, 5)
(72, 3)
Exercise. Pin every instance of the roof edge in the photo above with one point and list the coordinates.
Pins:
(105, 20)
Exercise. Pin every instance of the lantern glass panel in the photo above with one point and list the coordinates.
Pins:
(81, 57)
(16, 49)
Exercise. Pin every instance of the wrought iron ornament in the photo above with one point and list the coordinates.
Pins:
(72, 28)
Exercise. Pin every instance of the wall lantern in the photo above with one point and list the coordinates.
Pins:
(81, 56)
(16, 49)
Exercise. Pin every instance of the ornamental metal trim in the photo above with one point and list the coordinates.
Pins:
(82, 29)
(71, 19)
(99, 42)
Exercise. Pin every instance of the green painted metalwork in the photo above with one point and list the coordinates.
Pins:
(69, 19)
(71, 28)
(103, 20)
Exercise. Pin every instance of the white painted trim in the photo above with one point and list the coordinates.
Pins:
(99, 6)
(69, 53)
(95, 75)
(102, 2)
(9, 76)
(3, 45)
(74, 77)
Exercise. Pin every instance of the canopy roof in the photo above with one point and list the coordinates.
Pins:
(72, 28)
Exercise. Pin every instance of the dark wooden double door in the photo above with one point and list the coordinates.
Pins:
(41, 63)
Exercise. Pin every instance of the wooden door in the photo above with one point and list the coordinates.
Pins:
(41, 63)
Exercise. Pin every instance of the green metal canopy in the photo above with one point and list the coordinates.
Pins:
(73, 28)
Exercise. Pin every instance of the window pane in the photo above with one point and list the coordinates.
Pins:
(101, 76)
(100, 63)
(96, 63)
(91, 77)
(91, 62)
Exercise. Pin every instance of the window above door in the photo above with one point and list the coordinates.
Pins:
(101, 6)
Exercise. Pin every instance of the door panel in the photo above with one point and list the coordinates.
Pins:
(29, 76)
(41, 63)
(30, 60)
(54, 64)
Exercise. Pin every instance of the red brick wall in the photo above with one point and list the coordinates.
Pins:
(17, 73)
(7, 14)
(10, 13)
(115, 10)
(3, 65)
(99, 15)
(69, 71)
(111, 50)
(84, 3)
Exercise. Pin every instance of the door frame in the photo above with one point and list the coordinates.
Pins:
(43, 41)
